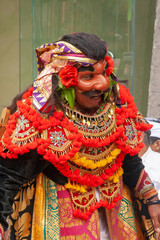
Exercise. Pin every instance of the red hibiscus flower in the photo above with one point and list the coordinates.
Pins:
(110, 68)
(68, 76)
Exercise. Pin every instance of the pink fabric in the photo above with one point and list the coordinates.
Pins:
(71, 226)
(121, 219)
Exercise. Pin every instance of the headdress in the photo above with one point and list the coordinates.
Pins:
(51, 58)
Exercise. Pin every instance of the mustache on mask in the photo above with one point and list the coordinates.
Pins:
(95, 93)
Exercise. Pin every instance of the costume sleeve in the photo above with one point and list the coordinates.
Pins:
(135, 176)
(52, 173)
(13, 174)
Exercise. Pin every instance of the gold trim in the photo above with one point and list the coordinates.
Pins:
(96, 172)
(110, 187)
(64, 147)
(80, 196)
(103, 123)
(76, 59)
(25, 138)
(135, 140)
(38, 211)
(100, 156)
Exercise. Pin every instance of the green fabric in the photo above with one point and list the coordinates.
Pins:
(51, 226)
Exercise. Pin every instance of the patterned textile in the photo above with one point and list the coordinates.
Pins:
(71, 227)
(45, 216)
(38, 212)
(20, 222)
(57, 216)
(50, 59)
(53, 218)
(145, 186)
(51, 230)
(121, 220)
(131, 219)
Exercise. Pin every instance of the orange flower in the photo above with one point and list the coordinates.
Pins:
(68, 76)
(110, 67)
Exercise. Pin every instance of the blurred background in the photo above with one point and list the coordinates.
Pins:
(126, 25)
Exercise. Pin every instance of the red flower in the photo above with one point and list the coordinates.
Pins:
(110, 68)
(68, 76)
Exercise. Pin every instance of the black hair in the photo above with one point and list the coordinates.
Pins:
(153, 139)
(89, 44)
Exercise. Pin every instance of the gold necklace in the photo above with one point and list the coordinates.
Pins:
(93, 126)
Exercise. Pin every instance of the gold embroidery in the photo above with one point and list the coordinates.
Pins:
(97, 171)
(52, 211)
(21, 201)
(16, 205)
(94, 126)
(22, 226)
(38, 212)
(24, 140)
(109, 190)
(65, 208)
(66, 213)
(83, 200)
(98, 153)
(83, 236)
(131, 133)
(24, 132)
(92, 226)
(62, 148)
(122, 219)
(60, 187)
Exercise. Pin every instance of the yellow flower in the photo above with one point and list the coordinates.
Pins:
(90, 164)
(76, 187)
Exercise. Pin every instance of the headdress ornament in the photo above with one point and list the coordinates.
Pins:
(51, 58)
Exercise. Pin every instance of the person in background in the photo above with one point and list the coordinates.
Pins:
(155, 134)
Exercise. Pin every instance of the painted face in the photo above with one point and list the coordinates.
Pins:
(92, 83)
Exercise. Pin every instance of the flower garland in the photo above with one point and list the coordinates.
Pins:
(76, 187)
(77, 139)
(90, 164)
(124, 113)
(79, 214)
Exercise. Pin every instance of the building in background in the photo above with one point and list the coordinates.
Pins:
(126, 25)
(154, 85)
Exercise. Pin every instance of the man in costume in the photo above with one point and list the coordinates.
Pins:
(76, 131)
